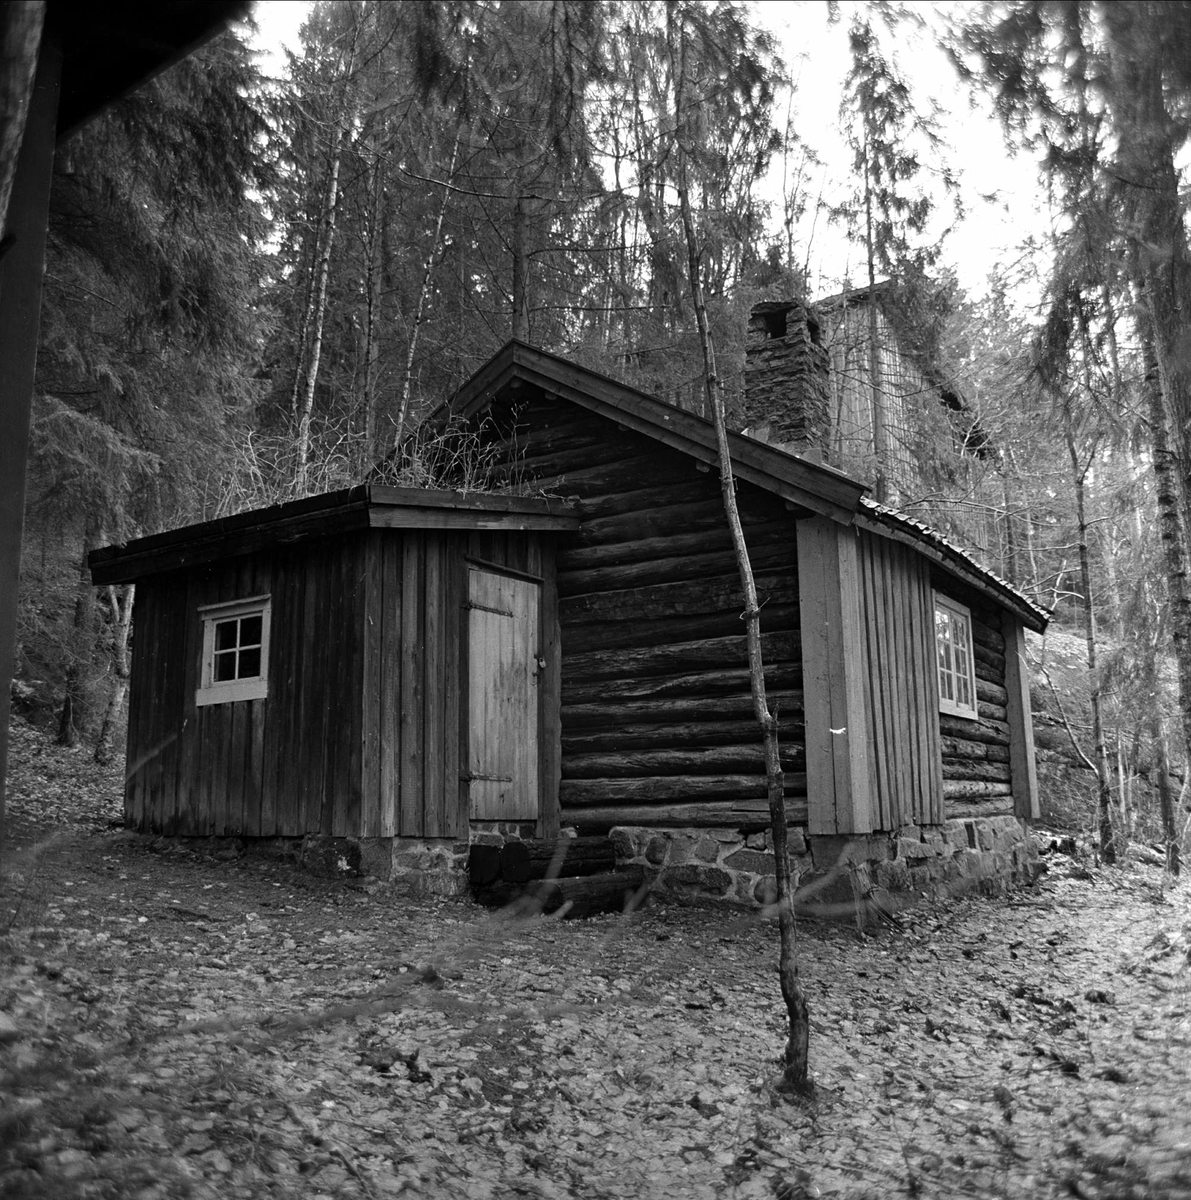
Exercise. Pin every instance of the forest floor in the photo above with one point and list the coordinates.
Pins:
(174, 1025)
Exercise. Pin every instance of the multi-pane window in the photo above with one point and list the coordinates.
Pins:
(235, 651)
(953, 653)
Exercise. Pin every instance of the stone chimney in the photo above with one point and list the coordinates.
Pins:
(786, 387)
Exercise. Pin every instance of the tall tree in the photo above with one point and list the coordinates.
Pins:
(1105, 90)
(149, 335)
(702, 74)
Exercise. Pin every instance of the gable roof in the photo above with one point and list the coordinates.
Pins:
(369, 506)
(807, 485)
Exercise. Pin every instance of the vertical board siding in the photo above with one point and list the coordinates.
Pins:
(902, 698)
(656, 712)
(281, 765)
(413, 685)
(839, 750)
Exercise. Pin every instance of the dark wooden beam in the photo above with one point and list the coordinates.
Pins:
(21, 270)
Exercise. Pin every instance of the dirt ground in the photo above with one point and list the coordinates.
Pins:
(174, 1025)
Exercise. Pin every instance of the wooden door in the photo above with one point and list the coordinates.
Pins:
(502, 760)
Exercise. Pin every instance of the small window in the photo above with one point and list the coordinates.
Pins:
(953, 651)
(235, 651)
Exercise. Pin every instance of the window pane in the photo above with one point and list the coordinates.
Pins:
(225, 667)
(250, 631)
(250, 662)
(225, 634)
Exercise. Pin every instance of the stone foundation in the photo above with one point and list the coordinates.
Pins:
(836, 875)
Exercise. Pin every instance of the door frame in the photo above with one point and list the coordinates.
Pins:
(549, 686)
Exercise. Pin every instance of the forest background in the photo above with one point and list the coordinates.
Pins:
(256, 288)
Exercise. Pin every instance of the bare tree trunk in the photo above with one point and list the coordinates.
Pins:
(121, 608)
(796, 1054)
(1174, 550)
(372, 290)
(318, 311)
(423, 291)
(73, 714)
(520, 272)
(1108, 849)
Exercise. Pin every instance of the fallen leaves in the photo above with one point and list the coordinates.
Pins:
(172, 1025)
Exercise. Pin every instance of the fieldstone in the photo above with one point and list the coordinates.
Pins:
(920, 880)
(697, 879)
(909, 848)
(765, 890)
(796, 844)
(984, 835)
(681, 848)
(655, 851)
(751, 860)
(893, 876)
(727, 836)
(745, 885)
(707, 849)
(623, 842)
(757, 841)
(956, 834)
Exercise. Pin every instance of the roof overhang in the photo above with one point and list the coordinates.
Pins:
(805, 485)
(109, 48)
(369, 506)
(887, 522)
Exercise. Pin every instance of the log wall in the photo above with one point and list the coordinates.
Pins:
(656, 712)
(977, 776)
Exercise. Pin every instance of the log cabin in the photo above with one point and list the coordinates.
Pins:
(401, 673)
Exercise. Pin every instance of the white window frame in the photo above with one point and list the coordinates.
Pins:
(949, 670)
(252, 687)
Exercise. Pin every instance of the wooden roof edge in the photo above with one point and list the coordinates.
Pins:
(386, 495)
(888, 522)
(328, 513)
(345, 498)
(817, 487)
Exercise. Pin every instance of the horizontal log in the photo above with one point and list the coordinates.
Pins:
(720, 594)
(483, 864)
(681, 507)
(603, 478)
(717, 760)
(583, 895)
(996, 733)
(656, 735)
(599, 715)
(997, 713)
(973, 789)
(623, 635)
(998, 806)
(695, 683)
(547, 458)
(985, 634)
(742, 814)
(990, 693)
(577, 793)
(990, 658)
(670, 569)
(966, 748)
(703, 655)
(532, 441)
(537, 859)
(967, 768)
(587, 556)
